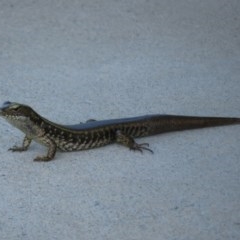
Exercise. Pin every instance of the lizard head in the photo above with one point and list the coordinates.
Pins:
(16, 113)
(19, 115)
(12, 110)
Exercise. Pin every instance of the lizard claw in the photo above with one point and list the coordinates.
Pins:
(140, 147)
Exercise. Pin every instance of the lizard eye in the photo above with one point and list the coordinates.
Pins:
(15, 108)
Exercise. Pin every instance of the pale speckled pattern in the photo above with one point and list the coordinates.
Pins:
(77, 60)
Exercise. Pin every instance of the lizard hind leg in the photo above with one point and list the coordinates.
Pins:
(128, 141)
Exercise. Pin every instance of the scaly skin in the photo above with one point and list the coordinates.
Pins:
(97, 133)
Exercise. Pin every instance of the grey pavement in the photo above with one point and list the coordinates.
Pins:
(77, 59)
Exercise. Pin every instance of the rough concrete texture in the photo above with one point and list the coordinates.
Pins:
(74, 60)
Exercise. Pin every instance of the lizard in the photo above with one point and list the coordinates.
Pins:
(97, 133)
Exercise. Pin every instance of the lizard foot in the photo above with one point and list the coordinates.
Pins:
(140, 147)
(128, 141)
(42, 159)
(17, 149)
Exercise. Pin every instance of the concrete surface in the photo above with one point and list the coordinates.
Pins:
(75, 60)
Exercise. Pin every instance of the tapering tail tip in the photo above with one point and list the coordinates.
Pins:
(235, 120)
(168, 123)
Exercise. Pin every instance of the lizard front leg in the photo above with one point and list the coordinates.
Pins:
(25, 144)
(52, 148)
(128, 141)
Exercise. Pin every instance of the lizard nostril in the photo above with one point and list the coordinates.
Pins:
(7, 103)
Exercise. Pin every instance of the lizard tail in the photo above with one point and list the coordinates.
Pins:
(169, 123)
